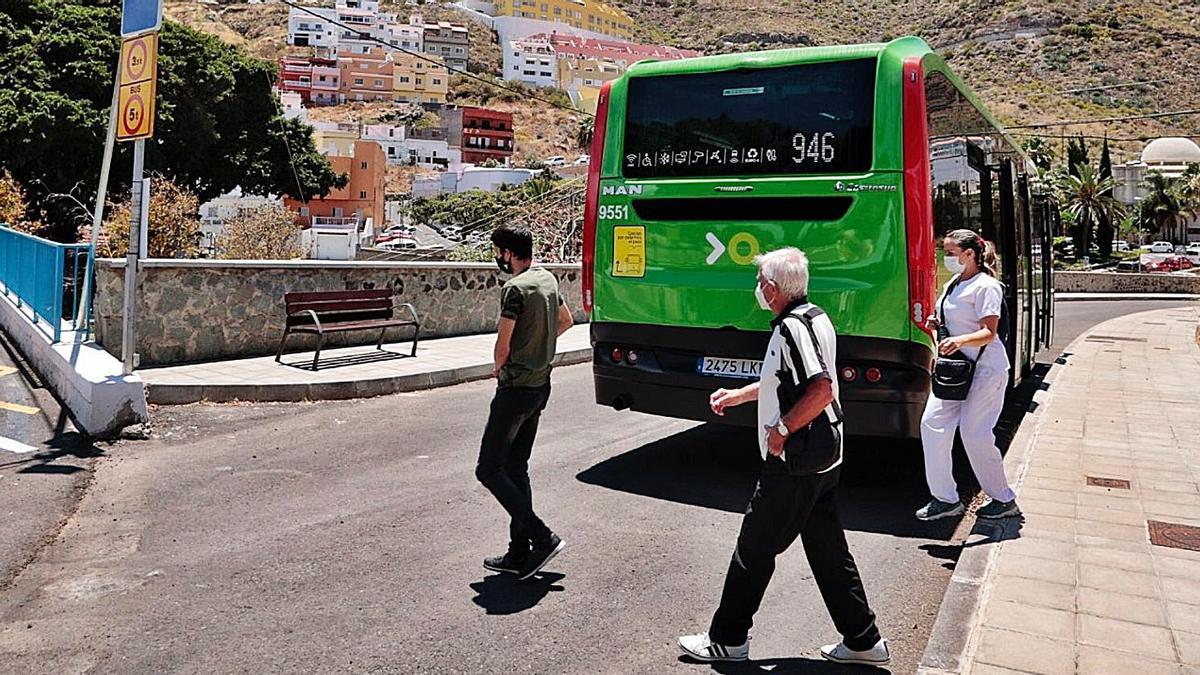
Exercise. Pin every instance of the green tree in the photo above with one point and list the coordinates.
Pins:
(1077, 154)
(1104, 234)
(1188, 190)
(1088, 200)
(218, 123)
(1160, 210)
(584, 130)
(1039, 152)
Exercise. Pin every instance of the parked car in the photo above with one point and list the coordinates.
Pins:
(557, 160)
(1120, 245)
(582, 159)
(1192, 252)
(1129, 266)
(1159, 247)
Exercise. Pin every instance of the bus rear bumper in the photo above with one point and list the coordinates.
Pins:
(886, 414)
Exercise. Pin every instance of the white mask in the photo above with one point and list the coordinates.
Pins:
(762, 299)
(953, 264)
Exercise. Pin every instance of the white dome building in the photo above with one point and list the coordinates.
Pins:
(1168, 156)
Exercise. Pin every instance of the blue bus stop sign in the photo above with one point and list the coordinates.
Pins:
(140, 16)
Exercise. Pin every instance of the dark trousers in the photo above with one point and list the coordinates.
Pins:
(503, 466)
(782, 508)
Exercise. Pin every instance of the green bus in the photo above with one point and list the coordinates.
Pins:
(862, 156)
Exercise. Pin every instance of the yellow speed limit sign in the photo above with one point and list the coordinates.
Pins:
(139, 76)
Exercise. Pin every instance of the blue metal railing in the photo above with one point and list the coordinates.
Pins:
(47, 278)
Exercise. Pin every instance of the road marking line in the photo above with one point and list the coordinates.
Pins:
(7, 370)
(15, 446)
(17, 407)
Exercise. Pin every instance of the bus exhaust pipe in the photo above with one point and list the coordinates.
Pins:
(622, 402)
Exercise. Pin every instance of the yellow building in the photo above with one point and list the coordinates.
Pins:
(586, 14)
(335, 139)
(419, 81)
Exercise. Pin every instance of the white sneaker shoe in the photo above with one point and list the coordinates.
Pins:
(702, 648)
(879, 655)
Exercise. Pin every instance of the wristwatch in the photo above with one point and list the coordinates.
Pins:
(782, 429)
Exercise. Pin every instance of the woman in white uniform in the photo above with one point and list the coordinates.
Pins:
(970, 308)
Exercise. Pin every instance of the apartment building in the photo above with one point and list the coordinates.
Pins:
(363, 197)
(416, 80)
(448, 41)
(316, 80)
(367, 77)
(581, 14)
(482, 134)
(402, 147)
(531, 60)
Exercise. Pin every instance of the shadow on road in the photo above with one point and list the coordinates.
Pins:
(503, 594)
(785, 666)
(717, 466)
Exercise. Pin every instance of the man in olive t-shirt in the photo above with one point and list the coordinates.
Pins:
(532, 316)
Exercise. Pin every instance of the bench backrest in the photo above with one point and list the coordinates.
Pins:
(331, 306)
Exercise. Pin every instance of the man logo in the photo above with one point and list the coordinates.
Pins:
(621, 190)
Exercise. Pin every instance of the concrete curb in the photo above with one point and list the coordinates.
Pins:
(180, 394)
(950, 640)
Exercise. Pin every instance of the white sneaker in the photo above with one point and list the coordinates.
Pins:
(702, 648)
(879, 655)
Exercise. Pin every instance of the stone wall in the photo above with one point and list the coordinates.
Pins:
(1112, 282)
(200, 310)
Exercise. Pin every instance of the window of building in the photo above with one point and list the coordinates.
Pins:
(545, 74)
(364, 166)
(404, 79)
(304, 210)
(528, 72)
(362, 194)
(358, 80)
(558, 11)
(378, 83)
(436, 81)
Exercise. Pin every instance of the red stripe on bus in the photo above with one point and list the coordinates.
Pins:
(918, 200)
(592, 202)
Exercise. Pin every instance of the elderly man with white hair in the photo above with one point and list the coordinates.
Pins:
(800, 438)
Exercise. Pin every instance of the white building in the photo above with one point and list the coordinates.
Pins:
(510, 28)
(468, 177)
(293, 106)
(214, 213)
(530, 61)
(306, 30)
(1168, 156)
(401, 148)
(409, 36)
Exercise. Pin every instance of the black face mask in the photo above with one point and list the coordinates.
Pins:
(504, 265)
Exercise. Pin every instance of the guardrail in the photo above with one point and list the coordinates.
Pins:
(47, 278)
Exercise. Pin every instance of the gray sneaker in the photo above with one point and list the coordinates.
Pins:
(996, 509)
(936, 509)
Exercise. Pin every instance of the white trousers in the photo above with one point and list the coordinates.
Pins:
(975, 418)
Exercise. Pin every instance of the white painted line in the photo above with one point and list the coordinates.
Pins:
(15, 446)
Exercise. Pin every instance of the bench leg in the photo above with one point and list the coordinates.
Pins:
(379, 343)
(416, 336)
(282, 340)
(317, 355)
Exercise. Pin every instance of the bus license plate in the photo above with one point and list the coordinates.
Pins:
(744, 368)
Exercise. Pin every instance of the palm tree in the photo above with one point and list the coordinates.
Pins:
(584, 128)
(1089, 200)
(1188, 190)
(1160, 206)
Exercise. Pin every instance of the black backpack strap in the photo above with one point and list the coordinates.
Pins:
(797, 357)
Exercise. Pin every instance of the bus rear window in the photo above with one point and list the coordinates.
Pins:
(802, 119)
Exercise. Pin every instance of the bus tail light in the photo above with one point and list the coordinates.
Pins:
(618, 355)
(592, 202)
(873, 375)
(918, 200)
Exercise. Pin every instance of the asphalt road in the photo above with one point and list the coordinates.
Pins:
(347, 537)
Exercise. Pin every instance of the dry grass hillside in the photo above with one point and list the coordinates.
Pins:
(1018, 55)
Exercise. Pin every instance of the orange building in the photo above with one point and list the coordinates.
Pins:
(366, 77)
(363, 195)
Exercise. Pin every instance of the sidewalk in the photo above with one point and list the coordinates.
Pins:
(351, 372)
(1103, 574)
(1085, 297)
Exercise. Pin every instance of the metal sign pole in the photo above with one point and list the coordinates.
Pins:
(101, 193)
(144, 247)
(138, 202)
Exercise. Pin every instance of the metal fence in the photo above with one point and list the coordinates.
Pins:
(47, 278)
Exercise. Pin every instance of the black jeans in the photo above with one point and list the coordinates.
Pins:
(782, 508)
(503, 466)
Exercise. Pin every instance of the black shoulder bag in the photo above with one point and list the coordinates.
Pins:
(817, 445)
(952, 374)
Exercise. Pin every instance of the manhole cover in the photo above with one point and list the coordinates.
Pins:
(1174, 535)
(1115, 483)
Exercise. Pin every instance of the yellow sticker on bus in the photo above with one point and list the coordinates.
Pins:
(629, 251)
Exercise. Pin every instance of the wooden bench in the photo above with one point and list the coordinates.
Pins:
(343, 311)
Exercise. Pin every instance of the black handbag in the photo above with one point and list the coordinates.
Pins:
(817, 445)
(953, 373)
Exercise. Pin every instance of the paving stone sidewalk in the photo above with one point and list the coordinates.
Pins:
(351, 372)
(1090, 581)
